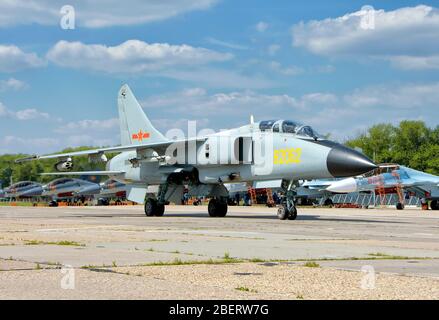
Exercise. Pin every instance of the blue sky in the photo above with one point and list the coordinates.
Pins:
(214, 61)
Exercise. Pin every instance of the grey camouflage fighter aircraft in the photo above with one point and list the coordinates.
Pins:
(69, 188)
(23, 189)
(266, 150)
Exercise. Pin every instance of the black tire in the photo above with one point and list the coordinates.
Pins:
(212, 208)
(434, 205)
(399, 206)
(217, 208)
(150, 207)
(329, 203)
(292, 214)
(160, 210)
(53, 203)
(222, 212)
(282, 213)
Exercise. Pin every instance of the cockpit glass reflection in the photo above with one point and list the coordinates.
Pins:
(288, 127)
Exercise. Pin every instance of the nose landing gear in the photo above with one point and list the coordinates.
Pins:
(288, 209)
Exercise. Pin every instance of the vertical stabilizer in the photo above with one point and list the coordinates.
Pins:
(135, 127)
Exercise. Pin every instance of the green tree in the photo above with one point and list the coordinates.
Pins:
(377, 143)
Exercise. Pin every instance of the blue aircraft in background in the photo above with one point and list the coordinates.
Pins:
(393, 178)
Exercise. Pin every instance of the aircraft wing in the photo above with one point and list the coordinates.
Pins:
(83, 173)
(159, 147)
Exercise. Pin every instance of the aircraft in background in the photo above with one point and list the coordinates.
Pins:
(70, 188)
(393, 179)
(276, 149)
(306, 191)
(111, 189)
(23, 189)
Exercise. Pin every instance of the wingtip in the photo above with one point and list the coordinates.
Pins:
(30, 158)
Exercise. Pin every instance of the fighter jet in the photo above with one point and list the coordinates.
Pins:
(69, 188)
(23, 189)
(266, 150)
(111, 189)
(393, 179)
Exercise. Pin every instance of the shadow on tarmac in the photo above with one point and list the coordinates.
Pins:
(239, 216)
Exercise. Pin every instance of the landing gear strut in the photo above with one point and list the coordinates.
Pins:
(287, 209)
(217, 207)
(156, 207)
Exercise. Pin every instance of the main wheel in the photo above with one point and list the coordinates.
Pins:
(282, 212)
(434, 205)
(150, 207)
(292, 214)
(399, 206)
(160, 210)
(217, 208)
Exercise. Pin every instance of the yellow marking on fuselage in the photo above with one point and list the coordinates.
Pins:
(287, 156)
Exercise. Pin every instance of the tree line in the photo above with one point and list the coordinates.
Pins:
(411, 143)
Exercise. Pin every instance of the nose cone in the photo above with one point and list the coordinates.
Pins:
(345, 162)
(343, 186)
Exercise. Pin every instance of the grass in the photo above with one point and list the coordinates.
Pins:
(179, 262)
(311, 264)
(245, 289)
(299, 297)
(57, 243)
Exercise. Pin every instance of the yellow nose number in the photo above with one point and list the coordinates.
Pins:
(287, 156)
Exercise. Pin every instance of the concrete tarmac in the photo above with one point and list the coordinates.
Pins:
(402, 246)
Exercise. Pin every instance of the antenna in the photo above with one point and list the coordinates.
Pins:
(252, 119)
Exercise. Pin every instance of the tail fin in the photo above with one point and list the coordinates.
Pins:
(135, 127)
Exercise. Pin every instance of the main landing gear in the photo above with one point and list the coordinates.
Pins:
(156, 207)
(217, 207)
(287, 209)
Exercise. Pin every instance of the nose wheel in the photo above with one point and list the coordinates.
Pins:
(283, 213)
(288, 210)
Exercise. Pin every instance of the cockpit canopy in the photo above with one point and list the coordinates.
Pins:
(288, 126)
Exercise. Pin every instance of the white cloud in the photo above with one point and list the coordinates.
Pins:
(12, 84)
(273, 49)
(406, 35)
(31, 114)
(225, 44)
(132, 56)
(218, 78)
(402, 97)
(95, 14)
(22, 115)
(199, 103)
(286, 71)
(261, 26)
(13, 59)
(89, 125)
(339, 114)
(416, 63)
